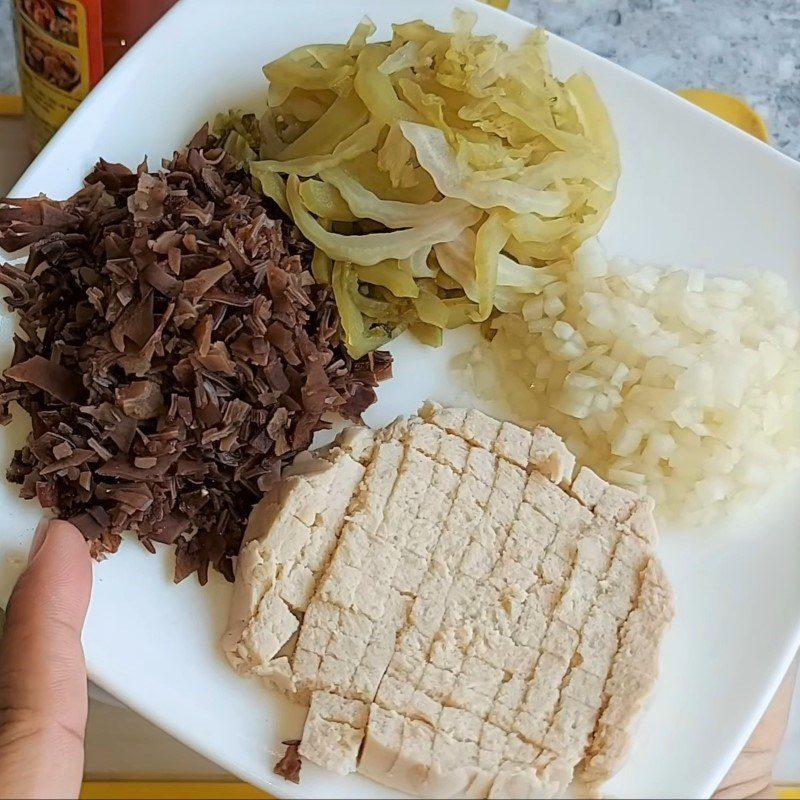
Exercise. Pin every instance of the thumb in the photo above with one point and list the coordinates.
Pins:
(43, 692)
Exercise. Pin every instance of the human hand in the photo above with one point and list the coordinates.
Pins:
(43, 690)
(751, 773)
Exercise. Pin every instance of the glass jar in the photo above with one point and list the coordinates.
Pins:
(64, 47)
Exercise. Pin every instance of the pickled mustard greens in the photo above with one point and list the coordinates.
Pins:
(436, 173)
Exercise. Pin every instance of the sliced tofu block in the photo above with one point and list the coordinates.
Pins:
(462, 617)
(291, 535)
(409, 773)
(382, 743)
(333, 732)
(633, 672)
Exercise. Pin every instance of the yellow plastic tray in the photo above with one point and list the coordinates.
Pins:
(10, 105)
(184, 790)
(169, 790)
(729, 108)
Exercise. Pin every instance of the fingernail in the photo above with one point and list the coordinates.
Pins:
(39, 536)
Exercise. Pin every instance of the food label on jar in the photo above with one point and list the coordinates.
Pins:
(57, 60)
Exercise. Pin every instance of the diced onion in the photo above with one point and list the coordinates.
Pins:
(687, 389)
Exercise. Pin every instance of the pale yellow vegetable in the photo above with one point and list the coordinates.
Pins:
(457, 260)
(408, 55)
(367, 171)
(385, 312)
(394, 157)
(448, 171)
(387, 274)
(392, 213)
(676, 383)
(321, 267)
(431, 107)
(376, 89)
(490, 241)
(532, 228)
(271, 185)
(288, 72)
(342, 119)
(416, 264)
(428, 334)
(331, 56)
(303, 106)
(454, 180)
(359, 338)
(536, 253)
(323, 200)
(594, 117)
(360, 36)
(515, 282)
(431, 309)
(560, 166)
(362, 141)
(371, 248)
(423, 34)
(271, 142)
(444, 313)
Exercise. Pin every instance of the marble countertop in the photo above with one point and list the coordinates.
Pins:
(8, 64)
(750, 48)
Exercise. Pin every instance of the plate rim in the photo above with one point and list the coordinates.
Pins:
(89, 110)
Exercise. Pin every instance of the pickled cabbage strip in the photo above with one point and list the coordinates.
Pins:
(532, 228)
(367, 170)
(528, 280)
(560, 166)
(491, 239)
(371, 248)
(321, 267)
(445, 314)
(427, 334)
(408, 55)
(457, 259)
(417, 264)
(359, 338)
(449, 172)
(392, 213)
(387, 274)
(593, 116)
(360, 36)
(323, 200)
(377, 90)
(362, 141)
(301, 76)
(342, 119)
(271, 185)
(437, 157)
(394, 157)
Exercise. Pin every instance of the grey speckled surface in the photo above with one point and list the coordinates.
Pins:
(746, 47)
(749, 48)
(8, 69)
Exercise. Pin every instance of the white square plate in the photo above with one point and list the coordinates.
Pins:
(694, 192)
